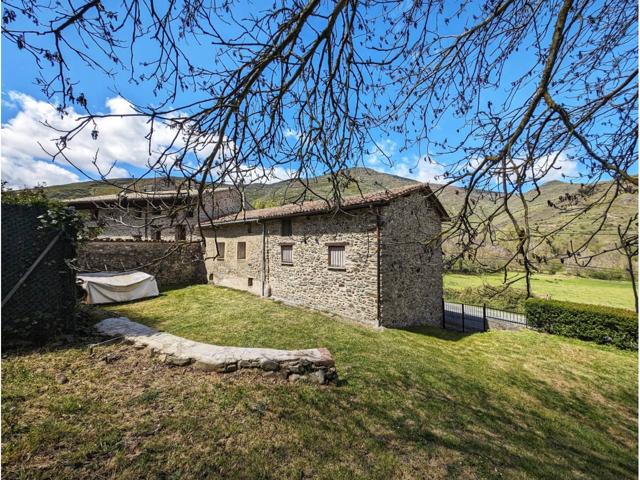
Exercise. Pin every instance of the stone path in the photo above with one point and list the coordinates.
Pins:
(314, 364)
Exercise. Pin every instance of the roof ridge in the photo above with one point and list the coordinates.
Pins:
(325, 206)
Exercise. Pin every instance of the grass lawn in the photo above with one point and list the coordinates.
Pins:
(613, 293)
(413, 404)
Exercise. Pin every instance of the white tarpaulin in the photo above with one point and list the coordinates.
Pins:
(115, 287)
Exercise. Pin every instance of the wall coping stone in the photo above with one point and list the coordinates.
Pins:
(204, 356)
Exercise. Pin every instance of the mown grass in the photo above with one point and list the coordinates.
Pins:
(612, 293)
(413, 404)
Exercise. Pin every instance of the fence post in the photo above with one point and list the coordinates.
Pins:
(443, 314)
(484, 316)
(462, 317)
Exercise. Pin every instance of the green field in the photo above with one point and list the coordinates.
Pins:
(612, 293)
(424, 403)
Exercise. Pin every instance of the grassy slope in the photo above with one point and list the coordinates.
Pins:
(93, 188)
(415, 404)
(557, 287)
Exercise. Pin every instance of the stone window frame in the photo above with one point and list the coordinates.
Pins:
(290, 245)
(331, 245)
(244, 251)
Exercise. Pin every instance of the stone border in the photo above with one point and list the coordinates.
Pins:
(316, 365)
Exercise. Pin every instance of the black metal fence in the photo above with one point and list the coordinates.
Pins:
(479, 318)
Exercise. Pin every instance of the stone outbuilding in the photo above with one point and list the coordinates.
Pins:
(156, 215)
(377, 259)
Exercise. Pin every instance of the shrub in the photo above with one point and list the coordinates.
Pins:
(595, 323)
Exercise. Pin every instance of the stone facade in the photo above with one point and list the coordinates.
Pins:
(230, 271)
(149, 218)
(309, 281)
(410, 263)
(392, 274)
(172, 263)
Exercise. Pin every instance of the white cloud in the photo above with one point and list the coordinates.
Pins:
(120, 145)
(384, 157)
(422, 169)
(554, 166)
(382, 153)
(21, 172)
(292, 133)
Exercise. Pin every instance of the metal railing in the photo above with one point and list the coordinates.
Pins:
(479, 318)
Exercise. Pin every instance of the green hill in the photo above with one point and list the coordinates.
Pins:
(550, 209)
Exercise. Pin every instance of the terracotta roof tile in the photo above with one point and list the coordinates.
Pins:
(321, 206)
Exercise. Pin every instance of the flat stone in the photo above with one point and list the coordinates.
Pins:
(209, 357)
(208, 367)
(178, 361)
(248, 364)
(269, 365)
(61, 378)
(318, 377)
(294, 377)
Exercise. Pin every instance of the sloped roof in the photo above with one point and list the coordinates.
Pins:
(321, 206)
(135, 196)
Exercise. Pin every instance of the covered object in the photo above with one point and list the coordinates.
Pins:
(115, 287)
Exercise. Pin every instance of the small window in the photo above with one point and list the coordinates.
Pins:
(249, 228)
(157, 234)
(285, 227)
(181, 233)
(211, 276)
(242, 250)
(336, 256)
(250, 282)
(221, 249)
(286, 254)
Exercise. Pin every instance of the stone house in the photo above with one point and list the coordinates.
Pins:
(155, 215)
(377, 259)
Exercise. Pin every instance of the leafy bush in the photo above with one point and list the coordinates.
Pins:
(596, 323)
(511, 299)
(57, 216)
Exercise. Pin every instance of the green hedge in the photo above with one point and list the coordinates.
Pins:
(616, 326)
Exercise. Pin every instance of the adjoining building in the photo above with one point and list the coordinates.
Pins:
(377, 259)
(155, 215)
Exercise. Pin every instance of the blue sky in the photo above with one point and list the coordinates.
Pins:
(25, 108)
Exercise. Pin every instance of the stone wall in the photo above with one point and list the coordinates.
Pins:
(229, 271)
(351, 292)
(172, 263)
(145, 222)
(410, 270)
(410, 263)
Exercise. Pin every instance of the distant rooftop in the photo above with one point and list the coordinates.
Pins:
(322, 206)
(136, 196)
